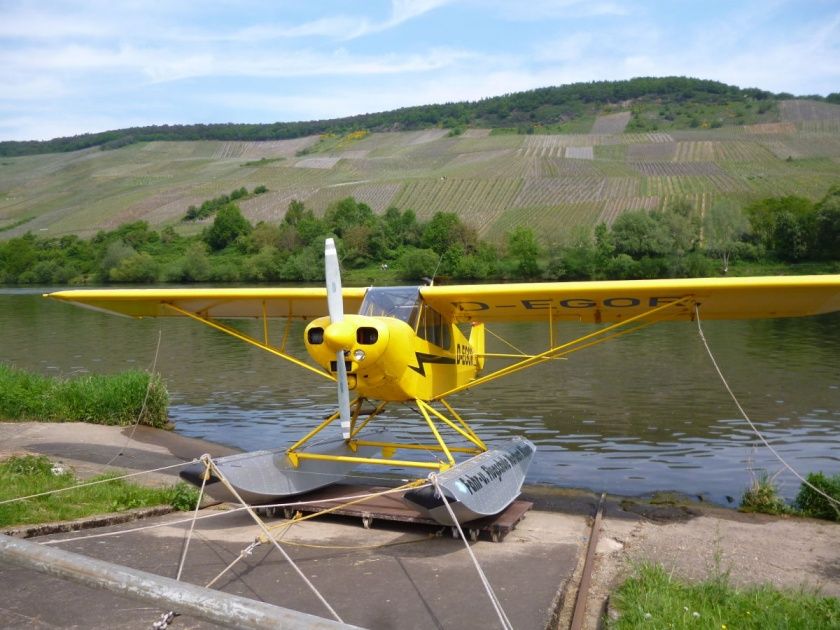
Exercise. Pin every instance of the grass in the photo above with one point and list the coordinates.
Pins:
(116, 399)
(29, 474)
(262, 161)
(652, 598)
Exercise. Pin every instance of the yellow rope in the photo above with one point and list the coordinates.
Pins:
(358, 547)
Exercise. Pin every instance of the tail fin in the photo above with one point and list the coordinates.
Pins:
(477, 344)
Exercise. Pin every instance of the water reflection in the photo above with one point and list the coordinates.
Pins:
(643, 413)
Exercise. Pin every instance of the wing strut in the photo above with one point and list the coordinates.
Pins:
(571, 346)
(247, 339)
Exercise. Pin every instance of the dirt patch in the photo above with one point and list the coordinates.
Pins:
(611, 123)
(660, 513)
(318, 162)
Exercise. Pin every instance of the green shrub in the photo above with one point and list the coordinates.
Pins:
(115, 399)
(183, 497)
(763, 497)
(812, 503)
(414, 263)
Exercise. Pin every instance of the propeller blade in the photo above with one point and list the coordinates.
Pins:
(335, 301)
(335, 305)
(343, 395)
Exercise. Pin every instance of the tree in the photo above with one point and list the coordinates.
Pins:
(307, 227)
(306, 265)
(827, 226)
(416, 264)
(346, 214)
(638, 233)
(579, 258)
(135, 268)
(724, 227)
(522, 246)
(295, 212)
(115, 253)
(604, 245)
(357, 245)
(394, 230)
(228, 225)
(681, 224)
(446, 230)
(17, 256)
(266, 265)
(193, 266)
(264, 234)
(789, 241)
(784, 225)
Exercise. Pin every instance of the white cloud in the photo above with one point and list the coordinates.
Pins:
(29, 24)
(160, 65)
(45, 126)
(89, 61)
(334, 27)
(565, 47)
(31, 88)
(538, 10)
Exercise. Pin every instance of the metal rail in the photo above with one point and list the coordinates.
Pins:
(586, 577)
(204, 603)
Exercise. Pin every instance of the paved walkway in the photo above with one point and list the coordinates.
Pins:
(395, 576)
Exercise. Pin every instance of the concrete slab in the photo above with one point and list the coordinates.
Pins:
(391, 576)
(396, 575)
(385, 577)
(92, 449)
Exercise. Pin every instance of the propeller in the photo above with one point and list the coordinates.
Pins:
(336, 335)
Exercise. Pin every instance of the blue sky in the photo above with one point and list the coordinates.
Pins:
(75, 67)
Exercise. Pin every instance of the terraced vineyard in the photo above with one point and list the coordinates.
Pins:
(550, 182)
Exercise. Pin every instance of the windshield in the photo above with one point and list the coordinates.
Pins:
(400, 302)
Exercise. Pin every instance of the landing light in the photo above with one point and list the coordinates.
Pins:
(359, 355)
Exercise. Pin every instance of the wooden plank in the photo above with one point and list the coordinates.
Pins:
(391, 507)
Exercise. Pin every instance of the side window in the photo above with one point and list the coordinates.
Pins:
(434, 328)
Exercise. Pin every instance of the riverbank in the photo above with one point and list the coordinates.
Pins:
(125, 398)
(400, 576)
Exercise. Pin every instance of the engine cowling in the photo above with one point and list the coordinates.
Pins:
(365, 342)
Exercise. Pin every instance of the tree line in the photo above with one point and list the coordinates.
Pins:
(542, 106)
(674, 242)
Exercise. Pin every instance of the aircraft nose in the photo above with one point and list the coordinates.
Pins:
(340, 336)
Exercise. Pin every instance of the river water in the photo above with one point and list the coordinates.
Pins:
(643, 413)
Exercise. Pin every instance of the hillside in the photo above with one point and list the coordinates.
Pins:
(492, 179)
(656, 101)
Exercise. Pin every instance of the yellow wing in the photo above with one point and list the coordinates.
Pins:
(719, 298)
(211, 303)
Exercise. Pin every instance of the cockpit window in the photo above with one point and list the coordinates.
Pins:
(400, 302)
(434, 329)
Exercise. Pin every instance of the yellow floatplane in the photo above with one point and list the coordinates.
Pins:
(421, 345)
